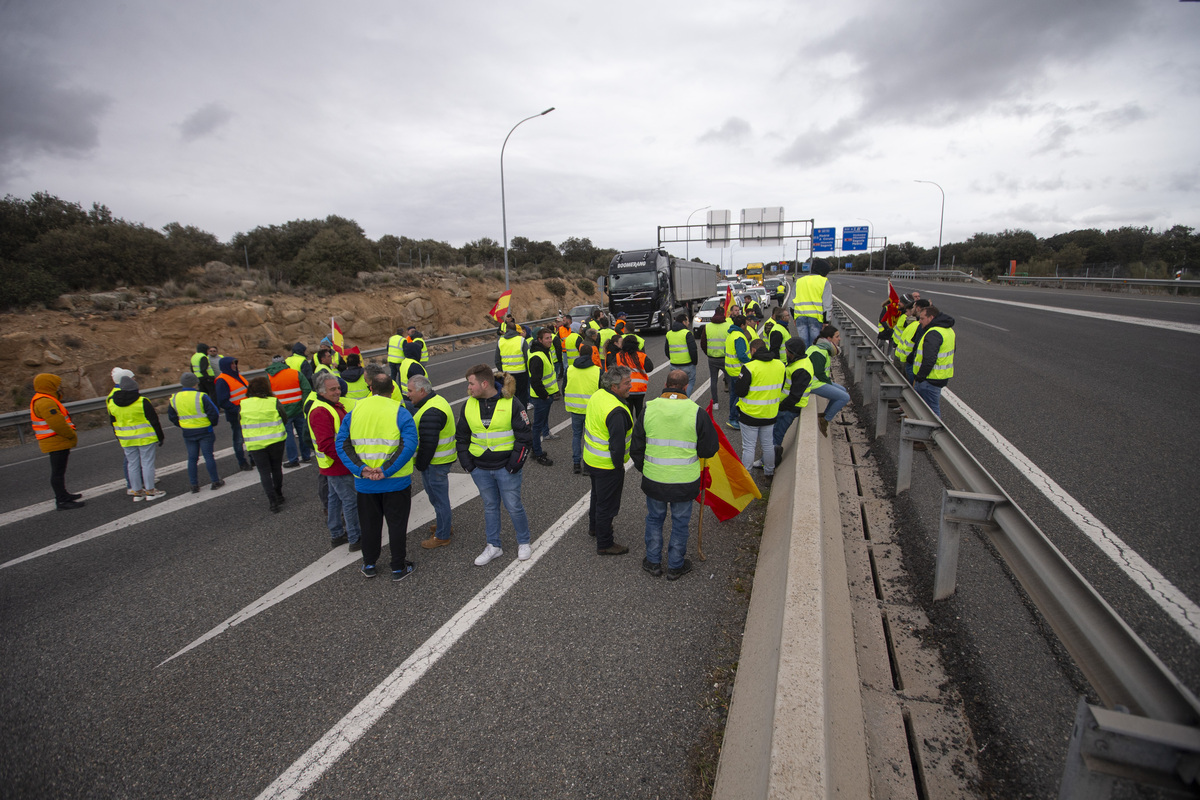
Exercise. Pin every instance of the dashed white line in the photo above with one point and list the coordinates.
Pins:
(1181, 327)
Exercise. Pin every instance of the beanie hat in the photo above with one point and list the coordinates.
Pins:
(118, 373)
(128, 384)
(188, 380)
(299, 348)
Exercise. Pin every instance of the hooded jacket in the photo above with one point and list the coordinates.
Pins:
(429, 430)
(821, 365)
(930, 343)
(741, 387)
(510, 460)
(127, 397)
(291, 410)
(222, 398)
(64, 437)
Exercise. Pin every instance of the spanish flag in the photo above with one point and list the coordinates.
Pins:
(892, 312)
(728, 300)
(726, 486)
(501, 308)
(335, 336)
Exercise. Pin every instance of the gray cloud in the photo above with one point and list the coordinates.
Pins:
(1056, 138)
(733, 131)
(815, 147)
(1184, 181)
(203, 121)
(1120, 117)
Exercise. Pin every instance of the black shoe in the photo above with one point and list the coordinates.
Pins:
(355, 547)
(74, 496)
(195, 488)
(217, 485)
(307, 460)
(291, 464)
(247, 467)
(367, 570)
(577, 470)
(592, 532)
(69, 504)
(274, 508)
(778, 455)
(586, 470)
(615, 550)
(676, 574)
(652, 568)
(544, 460)
(338, 542)
(401, 574)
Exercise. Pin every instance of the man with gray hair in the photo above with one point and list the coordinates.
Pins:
(607, 430)
(324, 420)
(436, 454)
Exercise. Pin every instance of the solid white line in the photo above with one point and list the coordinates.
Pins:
(1182, 327)
(462, 490)
(988, 324)
(149, 511)
(21, 514)
(1169, 598)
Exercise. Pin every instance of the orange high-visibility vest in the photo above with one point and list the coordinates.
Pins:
(41, 428)
(285, 385)
(637, 366)
(237, 391)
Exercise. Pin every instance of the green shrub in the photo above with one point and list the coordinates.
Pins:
(586, 285)
(556, 287)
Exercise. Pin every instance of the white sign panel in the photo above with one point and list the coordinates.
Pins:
(762, 227)
(717, 232)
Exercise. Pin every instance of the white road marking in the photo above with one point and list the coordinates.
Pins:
(1164, 593)
(148, 511)
(1169, 598)
(462, 490)
(318, 759)
(988, 324)
(1182, 327)
(21, 514)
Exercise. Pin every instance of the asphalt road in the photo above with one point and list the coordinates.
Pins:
(570, 675)
(1102, 400)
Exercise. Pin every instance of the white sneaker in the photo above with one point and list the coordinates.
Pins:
(716, 406)
(132, 492)
(489, 552)
(153, 494)
(138, 495)
(524, 552)
(757, 464)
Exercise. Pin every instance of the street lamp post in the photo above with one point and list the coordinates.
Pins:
(941, 219)
(503, 210)
(870, 253)
(687, 252)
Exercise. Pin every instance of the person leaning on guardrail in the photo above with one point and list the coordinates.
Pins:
(821, 355)
(933, 360)
(911, 337)
(55, 435)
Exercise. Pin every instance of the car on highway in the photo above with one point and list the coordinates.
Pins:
(707, 309)
(581, 314)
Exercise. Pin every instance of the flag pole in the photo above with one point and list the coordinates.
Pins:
(700, 527)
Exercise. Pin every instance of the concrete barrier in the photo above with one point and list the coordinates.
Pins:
(795, 726)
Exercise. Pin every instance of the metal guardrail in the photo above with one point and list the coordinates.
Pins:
(933, 275)
(19, 419)
(1048, 280)
(1161, 731)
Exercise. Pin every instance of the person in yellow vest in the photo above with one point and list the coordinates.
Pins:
(933, 361)
(821, 355)
(261, 417)
(777, 332)
(395, 353)
(568, 343)
(377, 442)
(493, 440)
(231, 390)
(55, 434)
(583, 381)
(512, 356)
(543, 385)
(759, 389)
(607, 431)
(117, 374)
(194, 413)
(410, 367)
(797, 374)
(680, 348)
(204, 368)
(908, 334)
(414, 337)
(812, 302)
(297, 359)
(737, 353)
(339, 498)
(436, 455)
(290, 387)
(712, 342)
(356, 382)
(668, 442)
(135, 422)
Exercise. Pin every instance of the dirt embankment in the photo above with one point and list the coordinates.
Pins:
(90, 334)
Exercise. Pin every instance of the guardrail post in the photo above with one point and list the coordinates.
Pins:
(861, 352)
(874, 376)
(911, 430)
(1107, 744)
(887, 392)
(958, 508)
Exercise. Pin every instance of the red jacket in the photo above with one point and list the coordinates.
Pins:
(324, 433)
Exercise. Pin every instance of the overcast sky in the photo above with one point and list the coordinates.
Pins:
(1041, 114)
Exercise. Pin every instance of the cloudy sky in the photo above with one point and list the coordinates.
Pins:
(1049, 115)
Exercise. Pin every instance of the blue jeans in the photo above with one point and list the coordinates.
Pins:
(343, 503)
(297, 429)
(577, 437)
(932, 395)
(808, 329)
(715, 365)
(496, 486)
(733, 409)
(782, 423)
(239, 448)
(541, 417)
(656, 515)
(201, 444)
(837, 396)
(436, 478)
(690, 369)
(908, 373)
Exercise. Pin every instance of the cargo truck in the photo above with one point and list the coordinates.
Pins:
(649, 285)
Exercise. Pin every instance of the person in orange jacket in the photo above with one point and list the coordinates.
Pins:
(55, 435)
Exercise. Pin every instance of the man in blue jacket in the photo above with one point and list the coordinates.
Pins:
(377, 442)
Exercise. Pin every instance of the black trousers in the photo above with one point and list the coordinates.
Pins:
(373, 509)
(58, 475)
(269, 461)
(607, 486)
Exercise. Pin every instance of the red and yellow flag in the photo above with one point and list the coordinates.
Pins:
(335, 336)
(892, 313)
(501, 308)
(728, 300)
(726, 486)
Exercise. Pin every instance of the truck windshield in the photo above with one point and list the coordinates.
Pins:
(630, 281)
